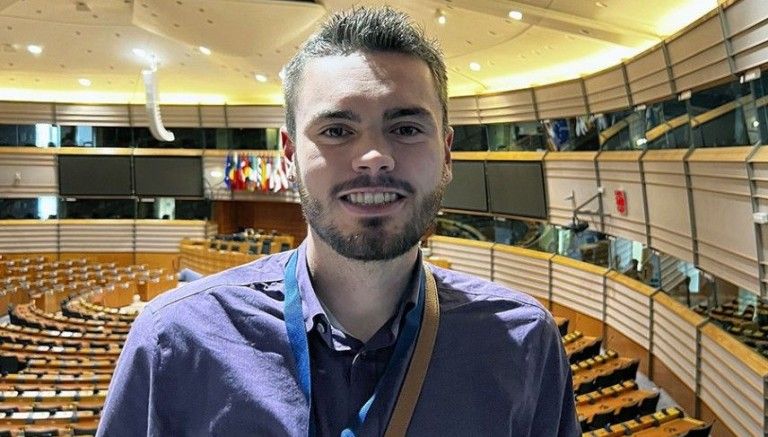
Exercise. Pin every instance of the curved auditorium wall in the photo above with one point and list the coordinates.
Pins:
(709, 373)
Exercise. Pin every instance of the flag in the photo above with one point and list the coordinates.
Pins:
(228, 171)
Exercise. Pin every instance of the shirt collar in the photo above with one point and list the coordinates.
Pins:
(313, 310)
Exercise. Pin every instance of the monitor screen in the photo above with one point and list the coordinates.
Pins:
(85, 175)
(517, 188)
(467, 188)
(168, 176)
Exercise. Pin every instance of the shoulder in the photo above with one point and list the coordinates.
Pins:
(220, 304)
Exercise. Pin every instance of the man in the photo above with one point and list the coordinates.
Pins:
(350, 334)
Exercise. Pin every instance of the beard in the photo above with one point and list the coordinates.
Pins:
(371, 242)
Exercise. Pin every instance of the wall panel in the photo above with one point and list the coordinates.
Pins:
(621, 171)
(466, 256)
(463, 110)
(164, 236)
(732, 381)
(606, 91)
(92, 115)
(674, 337)
(562, 100)
(668, 206)
(567, 173)
(648, 77)
(578, 285)
(26, 112)
(96, 236)
(723, 212)
(748, 32)
(522, 269)
(28, 173)
(255, 116)
(628, 308)
(28, 236)
(507, 107)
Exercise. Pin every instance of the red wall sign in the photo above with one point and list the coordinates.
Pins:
(621, 201)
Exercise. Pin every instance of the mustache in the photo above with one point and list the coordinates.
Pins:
(365, 181)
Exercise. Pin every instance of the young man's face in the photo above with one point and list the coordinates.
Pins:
(372, 161)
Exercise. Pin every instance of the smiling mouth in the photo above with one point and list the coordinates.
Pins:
(379, 198)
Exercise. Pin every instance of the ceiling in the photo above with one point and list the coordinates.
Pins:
(555, 40)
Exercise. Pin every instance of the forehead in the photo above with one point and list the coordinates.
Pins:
(365, 81)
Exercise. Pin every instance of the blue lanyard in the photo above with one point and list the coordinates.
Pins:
(297, 335)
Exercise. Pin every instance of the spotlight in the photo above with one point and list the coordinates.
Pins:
(516, 15)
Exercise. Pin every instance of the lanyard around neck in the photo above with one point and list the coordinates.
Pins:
(418, 329)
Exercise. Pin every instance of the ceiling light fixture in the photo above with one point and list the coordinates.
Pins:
(516, 15)
(601, 5)
(440, 17)
(204, 50)
(140, 53)
(84, 82)
(261, 78)
(34, 49)
(474, 66)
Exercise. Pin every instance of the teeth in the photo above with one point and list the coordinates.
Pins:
(371, 198)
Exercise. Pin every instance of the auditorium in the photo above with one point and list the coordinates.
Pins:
(606, 161)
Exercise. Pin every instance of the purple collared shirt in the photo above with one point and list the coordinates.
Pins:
(213, 358)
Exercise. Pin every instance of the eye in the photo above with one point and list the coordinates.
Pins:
(335, 132)
(407, 131)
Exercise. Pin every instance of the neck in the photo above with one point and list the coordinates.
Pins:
(362, 295)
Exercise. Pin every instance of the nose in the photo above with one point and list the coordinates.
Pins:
(374, 160)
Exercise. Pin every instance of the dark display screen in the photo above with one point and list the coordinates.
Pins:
(168, 176)
(517, 188)
(94, 175)
(467, 188)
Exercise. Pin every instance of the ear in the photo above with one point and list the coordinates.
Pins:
(289, 148)
(447, 151)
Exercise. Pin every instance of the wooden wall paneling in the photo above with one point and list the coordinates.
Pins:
(180, 115)
(759, 162)
(28, 173)
(83, 236)
(507, 107)
(578, 321)
(466, 256)
(28, 236)
(748, 32)
(253, 116)
(213, 116)
(463, 110)
(674, 338)
(615, 339)
(719, 429)
(167, 261)
(522, 269)
(164, 236)
(566, 172)
(283, 217)
(92, 115)
(621, 171)
(628, 316)
(565, 99)
(606, 91)
(663, 377)
(723, 213)
(732, 381)
(668, 206)
(648, 77)
(579, 286)
(26, 112)
(699, 55)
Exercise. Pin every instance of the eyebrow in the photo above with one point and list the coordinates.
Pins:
(416, 111)
(335, 115)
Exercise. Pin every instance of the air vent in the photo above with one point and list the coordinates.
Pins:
(83, 7)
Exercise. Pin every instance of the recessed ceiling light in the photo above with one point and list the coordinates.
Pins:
(440, 17)
(84, 82)
(474, 66)
(204, 50)
(601, 5)
(140, 53)
(261, 77)
(34, 49)
(516, 15)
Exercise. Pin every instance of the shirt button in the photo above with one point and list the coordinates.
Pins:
(321, 328)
